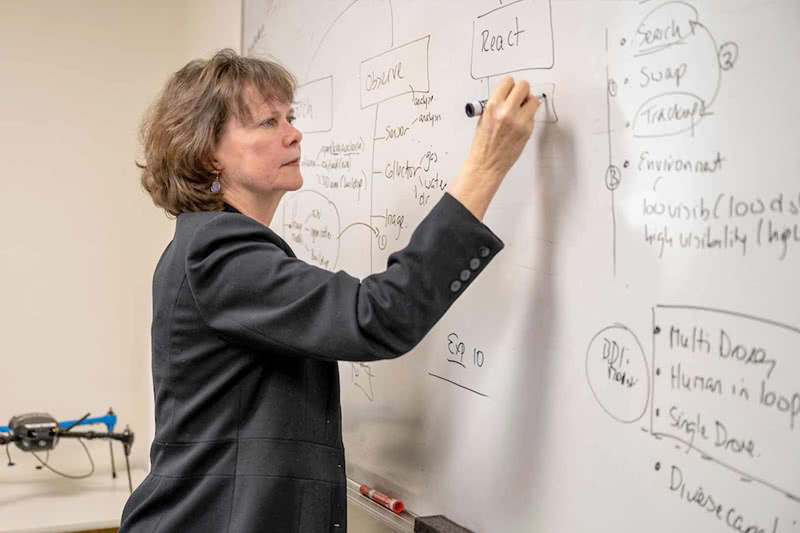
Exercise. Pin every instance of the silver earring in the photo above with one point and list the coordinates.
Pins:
(215, 185)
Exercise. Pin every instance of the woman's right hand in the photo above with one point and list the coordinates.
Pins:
(500, 136)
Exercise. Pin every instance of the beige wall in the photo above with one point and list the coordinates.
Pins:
(79, 239)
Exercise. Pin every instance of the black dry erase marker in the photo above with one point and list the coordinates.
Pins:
(475, 108)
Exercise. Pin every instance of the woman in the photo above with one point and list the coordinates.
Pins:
(246, 336)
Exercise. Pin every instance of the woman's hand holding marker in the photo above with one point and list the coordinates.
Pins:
(504, 127)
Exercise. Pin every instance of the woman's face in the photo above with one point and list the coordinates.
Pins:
(262, 157)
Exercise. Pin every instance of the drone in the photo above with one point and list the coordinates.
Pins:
(40, 432)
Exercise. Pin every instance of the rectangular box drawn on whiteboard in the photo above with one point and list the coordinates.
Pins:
(395, 72)
(513, 37)
(313, 104)
(547, 107)
(725, 385)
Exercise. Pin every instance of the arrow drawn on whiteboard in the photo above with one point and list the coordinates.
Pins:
(374, 230)
(325, 36)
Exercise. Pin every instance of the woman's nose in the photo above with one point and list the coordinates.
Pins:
(293, 136)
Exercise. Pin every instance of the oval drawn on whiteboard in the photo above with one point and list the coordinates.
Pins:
(667, 25)
(616, 369)
(311, 226)
(669, 114)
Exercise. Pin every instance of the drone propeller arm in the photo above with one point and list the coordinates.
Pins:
(126, 437)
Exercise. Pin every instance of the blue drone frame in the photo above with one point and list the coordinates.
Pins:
(39, 432)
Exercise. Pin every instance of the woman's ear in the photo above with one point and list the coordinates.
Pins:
(215, 167)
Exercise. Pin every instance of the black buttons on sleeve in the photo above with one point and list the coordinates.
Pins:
(466, 274)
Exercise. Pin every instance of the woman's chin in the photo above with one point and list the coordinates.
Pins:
(288, 185)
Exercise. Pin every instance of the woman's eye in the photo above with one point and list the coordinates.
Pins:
(270, 122)
(291, 120)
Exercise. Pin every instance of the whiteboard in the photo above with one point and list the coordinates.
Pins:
(631, 360)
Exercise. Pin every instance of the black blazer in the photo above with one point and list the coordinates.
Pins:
(245, 341)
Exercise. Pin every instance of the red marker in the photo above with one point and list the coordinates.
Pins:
(387, 501)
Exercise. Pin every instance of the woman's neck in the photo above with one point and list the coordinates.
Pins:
(260, 208)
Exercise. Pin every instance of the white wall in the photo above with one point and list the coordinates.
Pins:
(78, 237)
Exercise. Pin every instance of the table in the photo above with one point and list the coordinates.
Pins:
(42, 502)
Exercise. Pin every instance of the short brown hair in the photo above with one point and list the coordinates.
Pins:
(180, 131)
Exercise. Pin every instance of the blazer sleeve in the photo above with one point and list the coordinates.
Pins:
(250, 292)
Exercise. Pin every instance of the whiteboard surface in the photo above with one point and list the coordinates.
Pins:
(631, 360)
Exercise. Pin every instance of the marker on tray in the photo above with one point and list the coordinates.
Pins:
(387, 501)
(475, 108)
